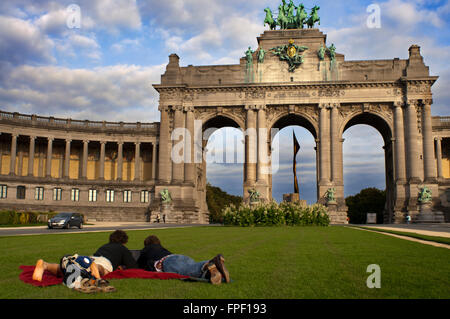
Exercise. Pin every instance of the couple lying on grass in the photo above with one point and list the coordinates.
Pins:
(153, 257)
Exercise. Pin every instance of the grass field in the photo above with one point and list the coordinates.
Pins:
(270, 263)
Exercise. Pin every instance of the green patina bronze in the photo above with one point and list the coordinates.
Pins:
(313, 18)
(332, 52)
(269, 19)
(291, 17)
(425, 195)
(330, 195)
(165, 196)
(249, 57)
(291, 54)
(261, 55)
(254, 196)
(321, 53)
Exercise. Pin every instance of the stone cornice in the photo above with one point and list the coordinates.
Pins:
(69, 125)
(242, 87)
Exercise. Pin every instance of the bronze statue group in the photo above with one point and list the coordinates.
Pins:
(288, 20)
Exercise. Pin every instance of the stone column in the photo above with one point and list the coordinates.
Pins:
(262, 146)
(137, 161)
(154, 160)
(12, 169)
(67, 159)
(101, 174)
(440, 173)
(400, 164)
(85, 159)
(250, 148)
(412, 139)
(31, 156)
(119, 160)
(324, 146)
(48, 169)
(164, 164)
(335, 143)
(178, 168)
(429, 162)
(189, 162)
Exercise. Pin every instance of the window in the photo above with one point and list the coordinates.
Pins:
(57, 194)
(20, 192)
(127, 196)
(92, 195)
(3, 191)
(110, 195)
(75, 195)
(38, 194)
(144, 196)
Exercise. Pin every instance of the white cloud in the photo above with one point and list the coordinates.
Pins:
(114, 15)
(22, 42)
(116, 93)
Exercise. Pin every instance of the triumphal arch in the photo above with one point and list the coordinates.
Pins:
(115, 171)
(295, 77)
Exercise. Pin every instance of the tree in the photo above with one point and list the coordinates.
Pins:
(217, 200)
(369, 200)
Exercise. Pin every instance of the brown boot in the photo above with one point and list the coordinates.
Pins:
(219, 261)
(214, 275)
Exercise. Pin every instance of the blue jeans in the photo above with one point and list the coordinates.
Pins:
(184, 265)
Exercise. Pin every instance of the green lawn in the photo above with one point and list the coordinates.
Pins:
(270, 263)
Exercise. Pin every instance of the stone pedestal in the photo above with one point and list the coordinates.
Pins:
(399, 217)
(168, 214)
(294, 198)
(336, 215)
(427, 215)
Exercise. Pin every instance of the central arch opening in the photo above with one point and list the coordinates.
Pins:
(282, 179)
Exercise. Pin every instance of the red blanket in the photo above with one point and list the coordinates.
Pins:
(49, 279)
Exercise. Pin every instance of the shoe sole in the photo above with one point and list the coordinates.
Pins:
(216, 277)
(221, 267)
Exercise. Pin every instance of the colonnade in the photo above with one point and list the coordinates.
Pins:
(83, 158)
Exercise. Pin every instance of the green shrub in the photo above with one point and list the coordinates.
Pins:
(10, 217)
(274, 214)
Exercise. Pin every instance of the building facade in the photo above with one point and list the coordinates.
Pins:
(117, 171)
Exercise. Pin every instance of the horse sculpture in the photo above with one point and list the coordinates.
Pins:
(269, 19)
(313, 18)
(292, 24)
(282, 20)
(301, 17)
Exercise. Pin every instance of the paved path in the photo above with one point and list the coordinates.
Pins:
(439, 230)
(426, 242)
(92, 227)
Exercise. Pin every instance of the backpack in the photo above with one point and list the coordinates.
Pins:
(75, 268)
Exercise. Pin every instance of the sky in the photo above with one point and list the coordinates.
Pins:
(101, 64)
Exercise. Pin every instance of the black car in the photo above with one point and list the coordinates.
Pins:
(66, 220)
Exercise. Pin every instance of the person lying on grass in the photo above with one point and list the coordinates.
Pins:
(109, 257)
(154, 257)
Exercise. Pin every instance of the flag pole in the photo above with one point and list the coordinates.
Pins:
(296, 149)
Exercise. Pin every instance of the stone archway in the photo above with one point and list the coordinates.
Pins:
(381, 124)
(325, 94)
(211, 123)
(296, 117)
